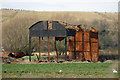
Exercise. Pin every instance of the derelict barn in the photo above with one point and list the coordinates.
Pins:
(83, 44)
(86, 45)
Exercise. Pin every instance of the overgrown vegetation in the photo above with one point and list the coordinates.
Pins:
(16, 25)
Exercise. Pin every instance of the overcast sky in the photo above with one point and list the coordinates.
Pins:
(62, 5)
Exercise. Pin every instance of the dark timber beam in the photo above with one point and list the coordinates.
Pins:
(75, 46)
(83, 44)
(39, 49)
(65, 48)
(29, 48)
(48, 50)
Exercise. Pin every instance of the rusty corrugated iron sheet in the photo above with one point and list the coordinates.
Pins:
(4, 55)
(94, 45)
(79, 45)
(87, 54)
(21, 54)
(88, 48)
(71, 49)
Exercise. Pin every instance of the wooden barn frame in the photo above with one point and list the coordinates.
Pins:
(83, 41)
(42, 29)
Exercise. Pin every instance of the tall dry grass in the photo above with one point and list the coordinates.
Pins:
(16, 27)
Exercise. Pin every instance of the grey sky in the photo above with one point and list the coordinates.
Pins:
(62, 5)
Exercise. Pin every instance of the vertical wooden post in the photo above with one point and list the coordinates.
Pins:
(91, 55)
(75, 46)
(57, 56)
(48, 50)
(54, 48)
(65, 48)
(56, 52)
(97, 48)
(29, 48)
(39, 49)
(83, 44)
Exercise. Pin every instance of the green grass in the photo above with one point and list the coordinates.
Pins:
(76, 69)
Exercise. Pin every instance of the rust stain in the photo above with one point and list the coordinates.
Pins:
(90, 45)
(4, 55)
(22, 54)
(79, 45)
(94, 46)
(87, 54)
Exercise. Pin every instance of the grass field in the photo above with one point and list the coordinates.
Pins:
(15, 26)
(51, 70)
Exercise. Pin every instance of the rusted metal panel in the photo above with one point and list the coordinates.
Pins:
(94, 56)
(94, 34)
(86, 36)
(87, 48)
(94, 40)
(79, 36)
(87, 54)
(71, 55)
(79, 46)
(71, 49)
(19, 55)
(94, 45)
(79, 55)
